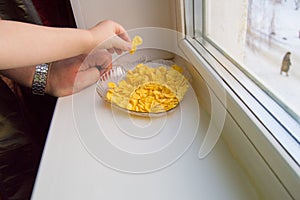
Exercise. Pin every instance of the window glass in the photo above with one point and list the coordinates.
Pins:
(273, 48)
(263, 37)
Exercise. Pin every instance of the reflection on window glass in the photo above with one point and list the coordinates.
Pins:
(263, 36)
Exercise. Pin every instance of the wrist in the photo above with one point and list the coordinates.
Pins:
(89, 43)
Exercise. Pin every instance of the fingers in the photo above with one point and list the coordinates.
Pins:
(111, 50)
(121, 44)
(86, 78)
(97, 57)
(117, 44)
(121, 32)
(111, 36)
(118, 51)
(106, 69)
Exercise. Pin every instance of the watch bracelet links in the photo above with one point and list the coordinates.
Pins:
(40, 79)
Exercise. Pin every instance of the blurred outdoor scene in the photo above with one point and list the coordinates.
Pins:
(273, 29)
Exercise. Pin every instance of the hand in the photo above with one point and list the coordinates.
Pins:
(71, 75)
(111, 36)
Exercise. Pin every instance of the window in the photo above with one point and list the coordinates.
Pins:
(259, 33)
(241, 45)
(252, 38)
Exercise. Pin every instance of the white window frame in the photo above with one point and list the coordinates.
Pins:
(265, 123)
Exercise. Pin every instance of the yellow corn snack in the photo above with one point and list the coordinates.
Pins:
(177, 68)
(111, 85)
(147, 89)
(136, 41)
(152, 97)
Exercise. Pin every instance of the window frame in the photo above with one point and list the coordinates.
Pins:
(275, 142)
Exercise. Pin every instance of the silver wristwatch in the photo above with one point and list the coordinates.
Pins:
(40, 79)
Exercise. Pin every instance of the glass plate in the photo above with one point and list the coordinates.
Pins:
(118, 73)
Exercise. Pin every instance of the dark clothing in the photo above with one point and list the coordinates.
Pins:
(19, 10)
(18, 156)
(55, 13)
(25, 118)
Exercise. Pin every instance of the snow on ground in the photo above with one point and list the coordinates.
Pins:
(265, 62)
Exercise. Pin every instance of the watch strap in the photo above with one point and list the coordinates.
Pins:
(40, 79)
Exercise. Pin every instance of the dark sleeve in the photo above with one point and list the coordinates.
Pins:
(18, 156)
(19, 10)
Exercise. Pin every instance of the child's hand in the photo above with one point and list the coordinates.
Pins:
(111, 36)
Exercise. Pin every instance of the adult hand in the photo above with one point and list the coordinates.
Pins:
(71, 75)
(66, 76)
(111, 36)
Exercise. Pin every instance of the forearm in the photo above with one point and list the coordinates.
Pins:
(20, 41)
(23, 76)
